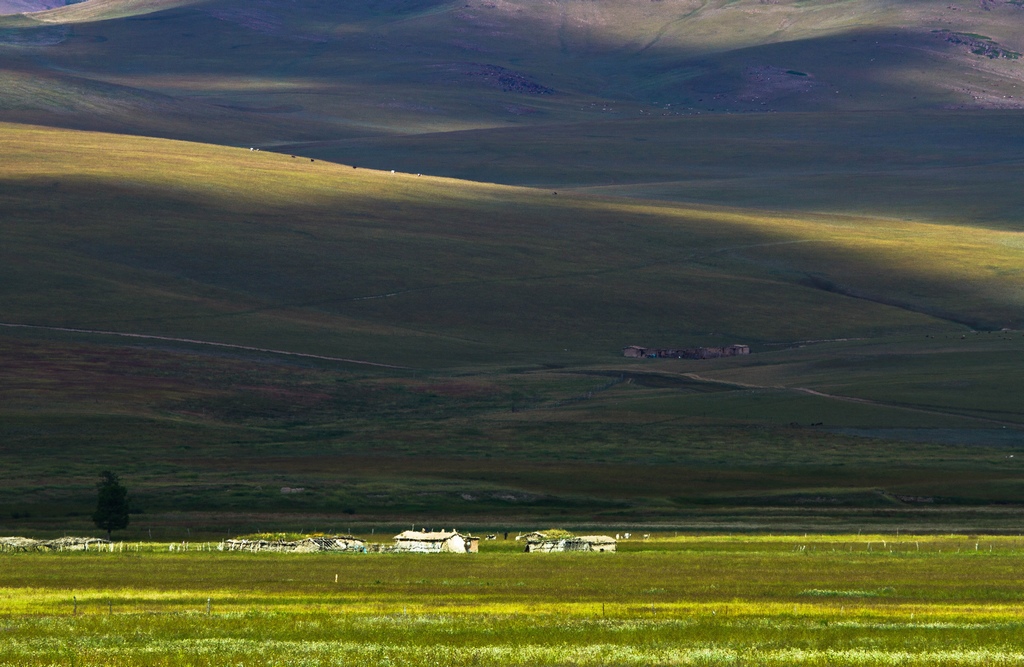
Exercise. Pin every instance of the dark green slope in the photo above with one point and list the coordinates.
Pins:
(953, 166)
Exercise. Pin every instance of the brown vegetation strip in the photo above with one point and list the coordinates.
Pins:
(193, 341)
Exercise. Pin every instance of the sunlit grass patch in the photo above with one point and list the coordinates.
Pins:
(825, 593)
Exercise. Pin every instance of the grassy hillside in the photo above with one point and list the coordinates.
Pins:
(259, 248)
(504, 310)
(415, 66)
(955, 167)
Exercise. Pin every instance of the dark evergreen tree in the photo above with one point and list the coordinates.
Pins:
(111, 504)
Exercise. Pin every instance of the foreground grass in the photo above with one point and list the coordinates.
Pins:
(811, 600)
(413, 639)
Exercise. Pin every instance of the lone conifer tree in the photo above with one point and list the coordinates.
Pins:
(111, 504)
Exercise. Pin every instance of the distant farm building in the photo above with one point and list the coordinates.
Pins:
(306, 545)
(638, 352)
(557, 541)
(436, 542)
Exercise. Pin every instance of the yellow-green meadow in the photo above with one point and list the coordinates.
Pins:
(707, 600)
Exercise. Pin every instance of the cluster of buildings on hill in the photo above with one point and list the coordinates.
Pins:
(639, 352)
(412, 541)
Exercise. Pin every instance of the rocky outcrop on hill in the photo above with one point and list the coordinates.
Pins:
(510, 81)
(978, 44)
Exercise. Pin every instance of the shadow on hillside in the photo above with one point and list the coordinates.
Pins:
(861, 70)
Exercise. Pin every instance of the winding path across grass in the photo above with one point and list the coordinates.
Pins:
(852, 399)
(193, 341)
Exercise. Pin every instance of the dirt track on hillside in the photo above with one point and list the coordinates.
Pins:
(193, 341)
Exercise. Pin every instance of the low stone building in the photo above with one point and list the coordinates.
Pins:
(559, 541)
(442, 541)
(638, 352)
(59, 544)
(600, 543)
(337, 543)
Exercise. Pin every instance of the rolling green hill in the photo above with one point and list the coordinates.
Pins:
(177, 238)
(266, 287)
(954, 167)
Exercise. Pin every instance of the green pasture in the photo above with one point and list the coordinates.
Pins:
(716, 600)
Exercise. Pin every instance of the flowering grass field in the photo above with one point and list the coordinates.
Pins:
(759, 600)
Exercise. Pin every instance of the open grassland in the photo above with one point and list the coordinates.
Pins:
(369, 337)
(716, 600)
